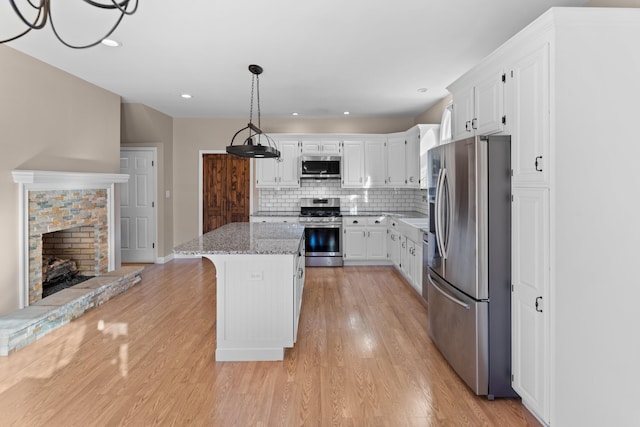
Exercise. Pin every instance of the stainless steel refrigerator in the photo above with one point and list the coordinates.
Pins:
(469, 260)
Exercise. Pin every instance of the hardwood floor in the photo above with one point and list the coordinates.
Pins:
(146, 357)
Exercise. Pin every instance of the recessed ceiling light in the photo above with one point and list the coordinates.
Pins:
(186, 96)
(423, 90)
(346, 113)
(111, 43)
(294, 114)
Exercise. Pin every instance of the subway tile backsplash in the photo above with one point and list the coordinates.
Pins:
(351, 199)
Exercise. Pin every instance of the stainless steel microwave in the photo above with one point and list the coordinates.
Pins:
(320, 167)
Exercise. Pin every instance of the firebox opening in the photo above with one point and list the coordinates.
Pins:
(68, 258)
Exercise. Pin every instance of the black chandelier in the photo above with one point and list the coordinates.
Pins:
(43, 8)
(253, 146)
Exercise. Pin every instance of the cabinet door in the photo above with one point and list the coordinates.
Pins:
(417, 267)
(331, 148)
(353, 164)
(355, 243)
(396, 161)
(462, 112)
(393, 247)
(375, 165)
(267, 172)
(529, 299)
(289, 169)
(412, 159)
(311, 147)
(377, 243)
(489, 105)
(529, 87)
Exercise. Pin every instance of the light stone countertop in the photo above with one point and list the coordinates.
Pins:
(401, 214)
(246, 238)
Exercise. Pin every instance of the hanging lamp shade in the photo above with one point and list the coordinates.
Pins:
(258, 144)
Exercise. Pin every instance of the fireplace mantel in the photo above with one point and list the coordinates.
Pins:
(44, 181)
(66, 180)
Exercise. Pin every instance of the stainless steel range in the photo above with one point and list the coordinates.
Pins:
(323, 231)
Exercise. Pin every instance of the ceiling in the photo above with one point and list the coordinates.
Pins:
(320, 57)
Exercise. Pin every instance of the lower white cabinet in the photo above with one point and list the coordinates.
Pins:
(411, 262)
(365, 238)
(530, 289)
(289, 219)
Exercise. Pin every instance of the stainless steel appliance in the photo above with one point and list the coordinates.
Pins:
(323, 230)
(469, 259)
(320, 167)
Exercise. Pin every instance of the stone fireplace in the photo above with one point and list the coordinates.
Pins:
(65, 213)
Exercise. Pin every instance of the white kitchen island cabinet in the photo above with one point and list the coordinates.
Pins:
(260, 274)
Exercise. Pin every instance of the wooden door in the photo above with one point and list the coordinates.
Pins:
(225, 195)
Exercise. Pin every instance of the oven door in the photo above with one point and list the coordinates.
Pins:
(323, 244)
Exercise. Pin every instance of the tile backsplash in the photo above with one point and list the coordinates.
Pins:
(351, 199)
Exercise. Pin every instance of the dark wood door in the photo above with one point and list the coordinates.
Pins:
(226, 189)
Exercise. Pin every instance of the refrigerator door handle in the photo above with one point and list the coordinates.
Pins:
(446, 214)
(449, 297)
(438, 213)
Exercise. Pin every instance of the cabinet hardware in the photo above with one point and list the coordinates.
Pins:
(474, 123)
(538, 308)
(539, 164)
(504, 78)
(364, 234)
(504, 120)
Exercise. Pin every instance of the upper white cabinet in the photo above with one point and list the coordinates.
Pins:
(478, 104)
(324, 148)
(528, 94)
(280, 173)
(429, 138)
(353, 164)
(403, 159)
(364, 163)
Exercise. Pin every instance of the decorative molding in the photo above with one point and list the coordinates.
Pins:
(41, 180)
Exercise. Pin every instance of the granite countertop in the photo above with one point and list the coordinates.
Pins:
(246, 238)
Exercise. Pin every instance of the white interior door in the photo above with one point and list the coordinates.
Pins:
(137, 206)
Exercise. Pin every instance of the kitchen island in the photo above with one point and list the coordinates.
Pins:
(260, 272)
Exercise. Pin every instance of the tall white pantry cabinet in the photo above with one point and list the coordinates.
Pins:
(572, 105)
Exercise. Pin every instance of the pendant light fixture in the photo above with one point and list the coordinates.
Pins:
(258, 144)
(37, 19)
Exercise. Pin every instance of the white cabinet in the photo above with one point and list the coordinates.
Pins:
(528, 93)
(364, 163)
(375, 163)
(282, 172)
(299, 277)
(405, 251)
(365, 238)
(530, 279)
(353, 164)
(325, 148)
(403, 159)
(289, 219)
(394, 240)
(429, 138)
(478, 106)
(411, 262)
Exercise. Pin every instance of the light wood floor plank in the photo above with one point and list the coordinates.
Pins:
(363, 358)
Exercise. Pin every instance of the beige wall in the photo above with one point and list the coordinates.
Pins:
(434, 114)
(143, 126)
(192, 135)
(49, 120)
(613, 3)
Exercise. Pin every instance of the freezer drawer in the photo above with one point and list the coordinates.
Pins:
(458, 325)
